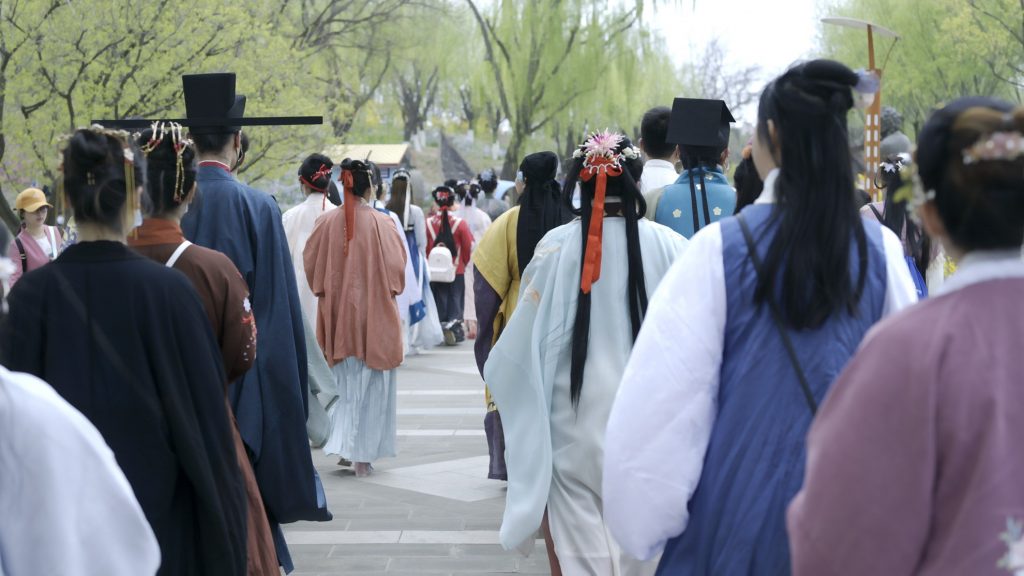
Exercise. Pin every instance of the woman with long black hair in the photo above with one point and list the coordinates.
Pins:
(447, 230)
(752, 325)
(555, 370)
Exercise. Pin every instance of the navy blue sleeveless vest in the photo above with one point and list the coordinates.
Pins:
(754, 464)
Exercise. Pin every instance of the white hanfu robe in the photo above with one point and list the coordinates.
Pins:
(555, 452)
(65, 506)
(298, 225)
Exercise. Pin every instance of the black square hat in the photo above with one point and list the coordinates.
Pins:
(700, 123)
(212, 97)
(212, 107)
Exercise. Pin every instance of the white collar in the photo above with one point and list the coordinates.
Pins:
(767, 195)
(315, 198)
(982, 266)
(657, 163)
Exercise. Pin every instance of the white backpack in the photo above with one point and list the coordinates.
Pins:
(440, 262)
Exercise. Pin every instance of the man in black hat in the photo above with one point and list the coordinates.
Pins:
(245, 224)
(702, 194)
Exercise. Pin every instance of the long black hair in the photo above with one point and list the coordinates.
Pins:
(894, 214)
(816, 210)
(748, 182)
(445, 198)
(540, 206)
(634, 207)
(698, 159)
(401, 191)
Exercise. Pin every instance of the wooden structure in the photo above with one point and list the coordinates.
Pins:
(873, 115)
(388, 157)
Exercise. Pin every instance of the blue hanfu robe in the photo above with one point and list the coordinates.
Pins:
(270, 400)
(674, 206)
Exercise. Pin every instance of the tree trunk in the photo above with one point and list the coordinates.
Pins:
(7, 214)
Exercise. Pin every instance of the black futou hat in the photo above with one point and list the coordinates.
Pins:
(212, 107)
(700, 123)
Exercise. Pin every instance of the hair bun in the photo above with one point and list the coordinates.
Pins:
(830, 71)
(87, 151)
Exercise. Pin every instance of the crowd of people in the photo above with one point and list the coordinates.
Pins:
(682, 376)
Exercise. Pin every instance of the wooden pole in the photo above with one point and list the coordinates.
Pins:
(873, 128)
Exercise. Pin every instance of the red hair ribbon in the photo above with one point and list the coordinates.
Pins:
(348, 186)
(601, 168)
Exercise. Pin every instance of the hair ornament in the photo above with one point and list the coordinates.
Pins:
(601, 159)
(996, 147)
(867, 82)
(899, 162)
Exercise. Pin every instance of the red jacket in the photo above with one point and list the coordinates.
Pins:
(463, 239)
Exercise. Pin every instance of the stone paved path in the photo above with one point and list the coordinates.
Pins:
(432, 509)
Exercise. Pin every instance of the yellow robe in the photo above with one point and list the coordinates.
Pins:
(496, 258)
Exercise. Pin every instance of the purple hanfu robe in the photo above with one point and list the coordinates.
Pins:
(915, 463)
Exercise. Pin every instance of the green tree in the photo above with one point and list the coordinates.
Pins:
(942, 54)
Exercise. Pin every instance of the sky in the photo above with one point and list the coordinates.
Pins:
(769, 33)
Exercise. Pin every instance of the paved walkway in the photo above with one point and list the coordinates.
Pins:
(432, 509)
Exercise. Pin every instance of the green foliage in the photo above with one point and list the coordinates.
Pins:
(949, 48)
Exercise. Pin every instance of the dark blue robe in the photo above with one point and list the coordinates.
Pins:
(270, 400)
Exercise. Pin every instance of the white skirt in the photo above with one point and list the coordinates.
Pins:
(363, 420)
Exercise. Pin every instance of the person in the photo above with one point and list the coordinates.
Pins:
(660, 167)
(478, 222)
(43, 441)
(494, 207)
(170, 186)
(917, 247)
(355, 264)
(412, 292)
(447, 230)
(424, 330)
(145, 367)
(748, 183)
(314, 178)
(37, 244)
(556, 367)
(931, 486)
(702, 194)
(497, 258)
(270, 400)
(894, 141)
(705, 444)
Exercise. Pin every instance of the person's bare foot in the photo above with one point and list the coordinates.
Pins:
(363, 469)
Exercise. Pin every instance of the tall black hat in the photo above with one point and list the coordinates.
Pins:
(212, 107)
(696, 122)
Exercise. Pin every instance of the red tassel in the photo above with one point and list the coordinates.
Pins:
(591, 272)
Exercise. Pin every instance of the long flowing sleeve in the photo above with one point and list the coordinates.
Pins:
(871, 460)
(238, 336)
(666, 403)
(487, 305)
(90, 525)
(313, 253)
(520, 374)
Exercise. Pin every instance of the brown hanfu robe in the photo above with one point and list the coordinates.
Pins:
(916, 460)
(357, 316)
(225, 297)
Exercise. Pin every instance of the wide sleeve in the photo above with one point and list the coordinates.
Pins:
(520, 375)
(92, 524)
(871, 464)
(663, 414)
(394, 257)
(313, 256)
(238, 332)
(199, 429)
(900, 290)
(487, 305)
(419, 226)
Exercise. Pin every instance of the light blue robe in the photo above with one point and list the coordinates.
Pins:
(555, 453)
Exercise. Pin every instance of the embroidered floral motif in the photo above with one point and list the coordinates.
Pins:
(1013, 537)
(246, 305)
(717, 211)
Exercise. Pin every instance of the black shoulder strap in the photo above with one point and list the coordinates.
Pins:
(878, 214)
(777, 319)
(24, 257)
